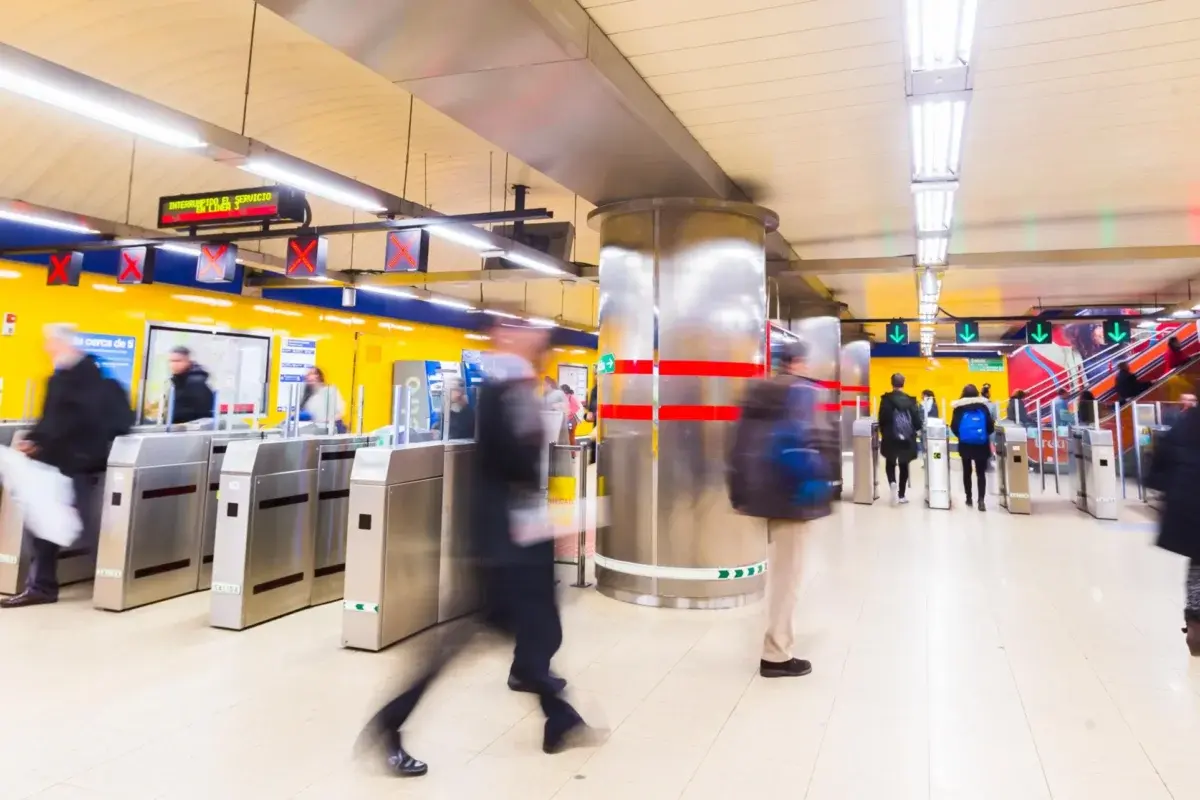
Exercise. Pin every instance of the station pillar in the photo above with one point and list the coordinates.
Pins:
(683, 327)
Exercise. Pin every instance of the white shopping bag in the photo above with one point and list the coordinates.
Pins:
(44, 495)
(529, 523)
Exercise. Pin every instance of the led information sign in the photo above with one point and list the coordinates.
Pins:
(407, 251)
(234, 207)
(65, 268)
(135, 265)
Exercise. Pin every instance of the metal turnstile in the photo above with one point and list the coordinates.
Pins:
(1077, 472)
(268, 516)
(407, 565)
(865, 438)
(333, 509)
(1012, 453)
(154, 543)
(1099, 466)
(937, 463)
(76, 564)
(212, 494)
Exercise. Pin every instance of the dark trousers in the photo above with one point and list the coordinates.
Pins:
(43, 570)
(891, 467)
(978, 461)
(519, 601)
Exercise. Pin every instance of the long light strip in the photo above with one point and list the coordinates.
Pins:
(937, 133)
(940, 33)
(45, 222)
(85, 107)
(532, 263)
(399, 294)
(935, 206)
(931, 251)
(274, 172)
(447, 303)
(467, 237)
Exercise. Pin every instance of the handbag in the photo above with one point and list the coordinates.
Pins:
(45, 496)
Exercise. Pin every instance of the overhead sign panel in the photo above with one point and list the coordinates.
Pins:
(407, 251)
(306, 256)
(966, 331)
(217, 263)
(261, 204)
(1116, 331)
(135, 265)
(897, 332)
(1039, 332)
(65, 268)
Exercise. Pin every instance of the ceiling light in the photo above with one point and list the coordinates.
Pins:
(940, 33)
(977, 345)
(1183, 312)
(203, 300)
(532, 263)
(181, 249)
(320, 279)
(392, 326)
(542, 323)
(9, 275)
(44, 222)
(935, 206)
(503, 314)
(274, 172)
(77, 104)
(932, 251)
(343, 320)
(479, 337)
(400, 294)
(447, 303)
(283, 312)
(467, 236)
(937, 133)
(104, 287)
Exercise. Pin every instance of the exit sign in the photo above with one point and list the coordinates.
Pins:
(607, 364)
(1116, 331)
(897, 332)
(966, 331)
(1038, 332)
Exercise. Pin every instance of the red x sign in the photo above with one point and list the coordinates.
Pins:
(217, 263)
(407, 251)
(135, 265)
(306, 255)
(65, 268)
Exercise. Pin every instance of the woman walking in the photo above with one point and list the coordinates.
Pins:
(973, 426)
(321, 402)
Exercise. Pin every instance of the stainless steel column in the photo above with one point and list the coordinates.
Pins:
(820, 329)
(683, 313)
(856, 393)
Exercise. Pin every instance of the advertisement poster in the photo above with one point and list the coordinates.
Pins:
(296, 358)
(236, 365)
(114, 353)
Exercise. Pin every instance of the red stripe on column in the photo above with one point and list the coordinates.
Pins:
(698, 413)
(634, 367)
(711, 369)
(830, 407)
(826, 384)
(639, 413)
(848, 388)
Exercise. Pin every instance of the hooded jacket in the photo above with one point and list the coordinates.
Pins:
(893, 404)
(193, 399)
(1129, 385)
(960, 407)
(1175, 471)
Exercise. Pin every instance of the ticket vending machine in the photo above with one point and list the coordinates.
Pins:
(937, 464)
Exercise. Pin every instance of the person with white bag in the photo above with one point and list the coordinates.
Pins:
(81, 415)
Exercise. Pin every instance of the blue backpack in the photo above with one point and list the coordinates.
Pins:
(973, 428)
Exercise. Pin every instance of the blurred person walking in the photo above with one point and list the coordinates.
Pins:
(83, 412)
(899, 422)
(776, 473)
(461, 414)
(193, 398)
(973, 426)
(322, 402)
(512, 552)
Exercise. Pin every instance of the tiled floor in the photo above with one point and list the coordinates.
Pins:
(958, 656)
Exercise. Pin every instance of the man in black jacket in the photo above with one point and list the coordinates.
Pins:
(512, 549)
(193, 398)
(899, 425)
(1129, 385)
(73, 437)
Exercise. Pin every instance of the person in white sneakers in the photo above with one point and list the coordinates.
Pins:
(899, 424)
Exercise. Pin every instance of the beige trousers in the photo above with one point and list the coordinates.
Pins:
(784, 566)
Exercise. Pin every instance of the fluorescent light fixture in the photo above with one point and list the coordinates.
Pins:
(345, 197)
(393, 326)
(467, 236)
(932, 251)
(320, 279)
(283, 312)
(935, 206)
(45, 222)
(579, 352)
(181, 249)
(1152, 310)
(9, 275)
(533, 263)
(447, 303)
(203, 300)
(940, 33)
(977, 345)
(937, 136)
(1183, 312)
(104, 287)
(400, 294)
(542, 323)
(343, 320)
(479, 337)
(86, 107)
(503, 314)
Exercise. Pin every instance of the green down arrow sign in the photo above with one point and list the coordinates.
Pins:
(1117, 330)
(967, 331)
(897, 332)
(1039, 333)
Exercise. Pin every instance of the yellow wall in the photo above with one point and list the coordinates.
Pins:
(945, 376)
(349, 354)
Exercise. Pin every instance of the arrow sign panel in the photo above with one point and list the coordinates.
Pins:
(966, 331)
(1038, 332)
(1116, 331)
(897, 332)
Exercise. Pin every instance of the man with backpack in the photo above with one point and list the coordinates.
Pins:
(899, 423)
(777, 473)
(973, 426)
(83, 412)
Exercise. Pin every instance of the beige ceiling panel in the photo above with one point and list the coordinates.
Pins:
(768, 110)
(755, 72)
(1087, 46)
(783, 88)
(587, 240)
(797, 44)
(1033, 233)
(448, 257)
(545, 298)
(737, 26)
(639, 14)
(1119, 62)
(438, 135)
(368, 251)
(1126, 17)
(187, 54)
(1014, 12)
(1141, 76)
(889, 112)
(580, 302)
(52, 158)
(312, 101)
(451, 184)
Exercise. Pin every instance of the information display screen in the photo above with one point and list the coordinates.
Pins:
(234, 207)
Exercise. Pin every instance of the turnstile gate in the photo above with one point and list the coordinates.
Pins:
(865, 438)
(1099, 480)
(333, 509)
(268, 517)
(407, 565)
(937, 463)
(154, 541)
(1012, 453)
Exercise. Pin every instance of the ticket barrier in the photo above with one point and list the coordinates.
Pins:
(407, 565)
(1094, 482)
(1012, 452)
(155, 535)
(271, 527)
(937, 464)
(865, 441)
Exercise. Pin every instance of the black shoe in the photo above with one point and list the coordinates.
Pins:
(373, 743)
(27, 598)
(404, 765)
(969, 501)
(784, 669)
(557, 684)
(982, 507)
(577, 734)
